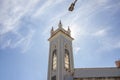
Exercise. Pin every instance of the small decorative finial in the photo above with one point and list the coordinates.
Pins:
(52, 29)
(69, 31)
(60, 24)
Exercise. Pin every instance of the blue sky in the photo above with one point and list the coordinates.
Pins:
(25, 27)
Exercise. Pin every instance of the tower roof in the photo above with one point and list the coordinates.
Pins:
(62, 30)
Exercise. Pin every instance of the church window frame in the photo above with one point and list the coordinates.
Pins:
(67, 60)
(53, 78)
(54, 60)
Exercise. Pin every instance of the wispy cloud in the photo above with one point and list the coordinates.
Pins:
(12, 12)
(101, 32)
(46, 5)
(76, 50)
(109, 45)
(7, 44)
(10, 19)
(26, 41)
(42, 8)
(20, 41)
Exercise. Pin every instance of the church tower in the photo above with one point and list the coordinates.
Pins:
(60, 64)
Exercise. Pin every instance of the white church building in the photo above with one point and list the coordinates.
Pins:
(61, 62)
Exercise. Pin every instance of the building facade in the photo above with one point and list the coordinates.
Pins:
(61, 62)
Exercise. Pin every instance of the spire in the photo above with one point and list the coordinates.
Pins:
(52, 30)
(69, 31)
(60, 24)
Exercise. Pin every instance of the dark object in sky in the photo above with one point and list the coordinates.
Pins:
(71, 8)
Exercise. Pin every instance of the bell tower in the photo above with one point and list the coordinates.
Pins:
(60, 63)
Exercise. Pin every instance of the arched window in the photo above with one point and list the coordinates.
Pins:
(54, 60)
(67, 59)
(53, 78)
